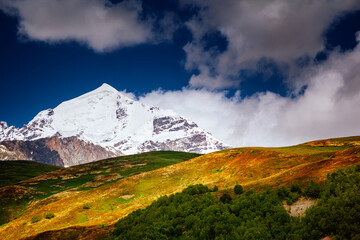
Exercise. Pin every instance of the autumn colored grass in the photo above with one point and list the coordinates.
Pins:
(256, 168)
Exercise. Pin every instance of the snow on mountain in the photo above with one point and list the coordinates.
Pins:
(108, 118)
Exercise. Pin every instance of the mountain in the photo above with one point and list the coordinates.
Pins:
(114, 188)
(107, 123)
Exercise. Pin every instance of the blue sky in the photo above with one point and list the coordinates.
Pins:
(259, 62)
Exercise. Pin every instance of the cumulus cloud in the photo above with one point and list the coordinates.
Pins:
(328, 108)
(99, 24)
(280, 30)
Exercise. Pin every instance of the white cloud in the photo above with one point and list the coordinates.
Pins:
(328, 108)
(280, 30)
(97, 23)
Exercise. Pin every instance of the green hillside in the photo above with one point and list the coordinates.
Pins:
(87, 200)
(77, 178)
(15, 171)
(197, 213)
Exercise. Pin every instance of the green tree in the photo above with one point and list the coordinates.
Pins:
(295, 188)
(313, 190)
(225, 198)
(283, 192)
(238, 189)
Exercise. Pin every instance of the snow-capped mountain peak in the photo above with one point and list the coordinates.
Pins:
(109, 118)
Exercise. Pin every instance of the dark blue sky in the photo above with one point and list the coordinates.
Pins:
(36, 75)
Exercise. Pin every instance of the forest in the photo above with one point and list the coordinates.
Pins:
(198, 213)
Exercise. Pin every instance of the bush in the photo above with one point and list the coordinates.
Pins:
(49, 215)
(295, 188)
(357, 167)
(86, 206)
(313, 190)
(238, 189)
(283, 192)
(225, 198)
(35, 218)
(215, 189)
(196, 189)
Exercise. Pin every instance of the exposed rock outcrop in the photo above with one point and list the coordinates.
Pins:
(55, 151)
(74, 151)
(34, 150)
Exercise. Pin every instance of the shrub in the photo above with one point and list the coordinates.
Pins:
(283, 192)
(215, 189)
(49, 215)
(357, 167)
(289, 201)
(196, 189)
(225, 198)
(86, 206)
(35, 218)
(238, 189)
(295, 188)
(313, 190)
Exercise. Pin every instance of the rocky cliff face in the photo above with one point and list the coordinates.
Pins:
(55, 151)
(34, 150)
(74, 151)
(105, 123)
(7, 154)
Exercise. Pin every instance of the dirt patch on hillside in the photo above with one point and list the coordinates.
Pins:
(326, 238)
(126, 197)
(298, 208)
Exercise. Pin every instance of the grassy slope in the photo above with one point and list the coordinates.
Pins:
(250, 167)
(15, 171)
(80, 178)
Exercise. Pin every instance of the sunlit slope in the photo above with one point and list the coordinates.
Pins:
(250, 167)
(16, 198)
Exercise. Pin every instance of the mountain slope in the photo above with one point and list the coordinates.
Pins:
(55, 151)
(251, 167)
(12, 172)
(77, 178)
(108, 118)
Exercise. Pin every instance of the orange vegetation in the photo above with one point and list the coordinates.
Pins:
(251, 167)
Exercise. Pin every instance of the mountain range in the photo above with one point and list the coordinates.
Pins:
(101, 124)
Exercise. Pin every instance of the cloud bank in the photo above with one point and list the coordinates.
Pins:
(98, 24)
(280, 30)
(328, 108)
(245, 33)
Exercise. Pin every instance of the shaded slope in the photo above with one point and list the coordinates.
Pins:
(250, 167)
(15, 171)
